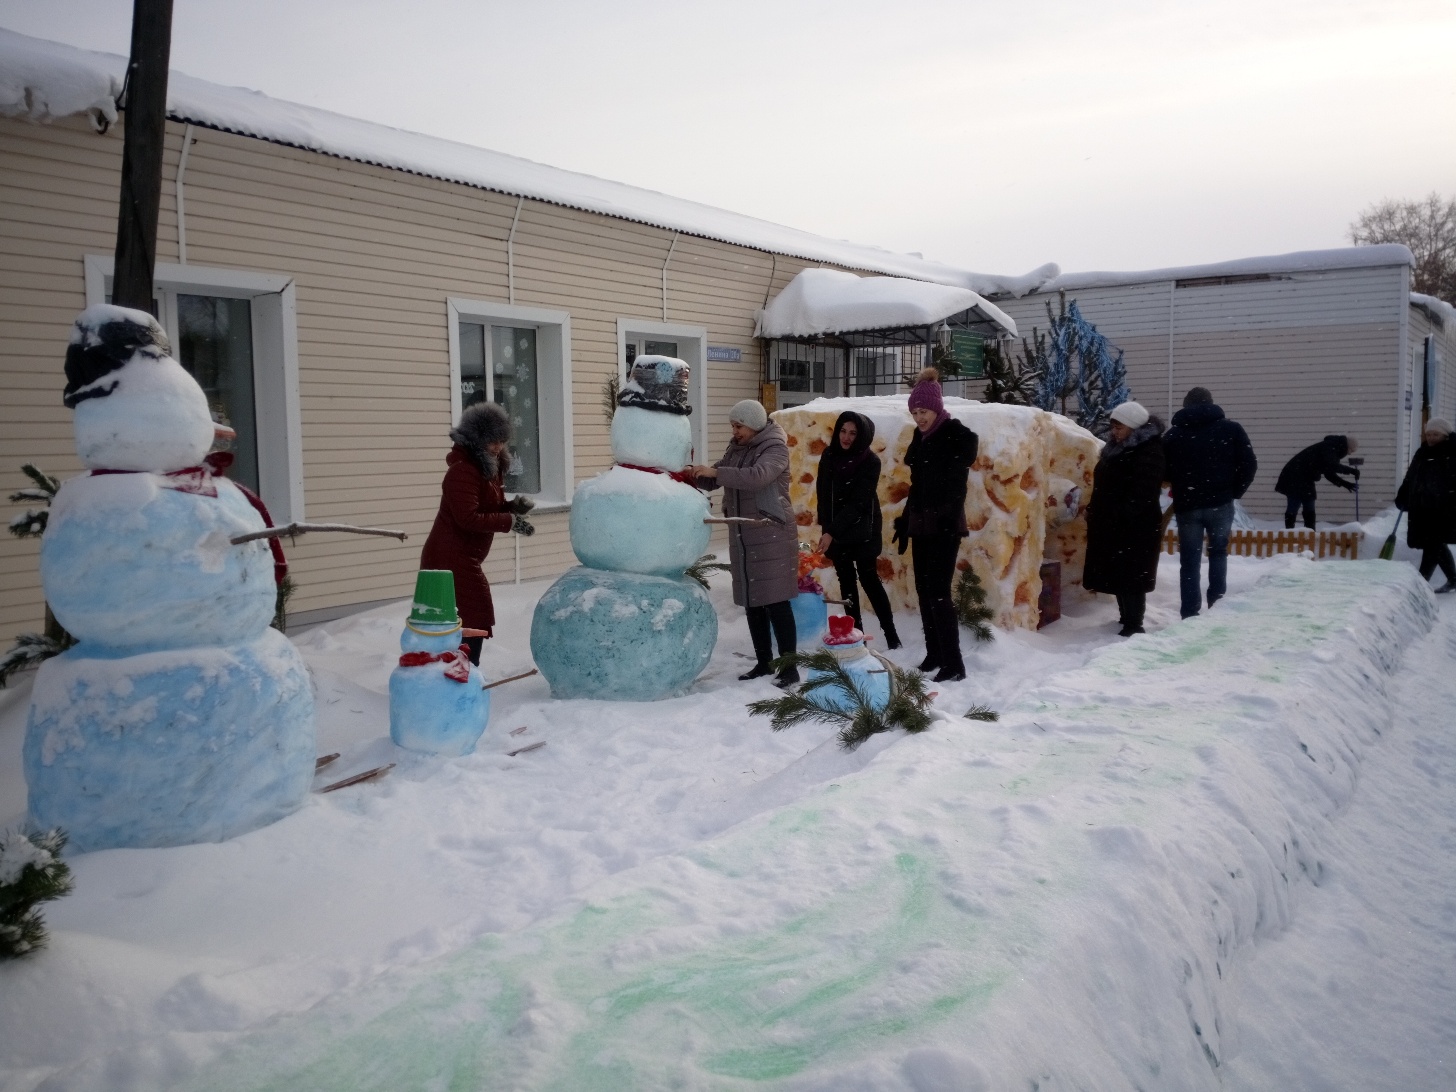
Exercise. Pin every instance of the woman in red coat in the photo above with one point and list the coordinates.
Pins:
(473, 510)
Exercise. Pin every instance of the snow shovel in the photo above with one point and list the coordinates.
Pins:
(1387, 552)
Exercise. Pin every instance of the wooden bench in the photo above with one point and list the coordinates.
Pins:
(1337, 544)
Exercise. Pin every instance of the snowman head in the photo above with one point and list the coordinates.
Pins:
(136, 407)
(650, 427)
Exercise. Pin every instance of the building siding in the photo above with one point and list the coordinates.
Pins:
(373, 254)
(1291, 359)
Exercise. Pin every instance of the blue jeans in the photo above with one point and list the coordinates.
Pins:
(1192, 525)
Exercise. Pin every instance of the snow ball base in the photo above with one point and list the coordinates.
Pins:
(130, 562)
(169, 748)
(622, 636)
(638, 522)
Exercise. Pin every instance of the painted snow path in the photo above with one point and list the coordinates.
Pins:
(1059, 900)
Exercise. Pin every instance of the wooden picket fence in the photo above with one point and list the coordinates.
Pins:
(1334, 544)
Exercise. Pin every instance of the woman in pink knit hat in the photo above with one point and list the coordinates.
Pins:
(934, 521)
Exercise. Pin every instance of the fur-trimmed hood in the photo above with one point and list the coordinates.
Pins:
(481, 424)
(1141, 434)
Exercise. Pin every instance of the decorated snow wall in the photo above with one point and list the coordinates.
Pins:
(1026, 503)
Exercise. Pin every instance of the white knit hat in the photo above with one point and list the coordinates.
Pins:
(748, 413)
(1438, 424)
(1130, 414)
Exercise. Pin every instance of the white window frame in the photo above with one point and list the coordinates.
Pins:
(275, 362)
(692, 343)
(553, 389)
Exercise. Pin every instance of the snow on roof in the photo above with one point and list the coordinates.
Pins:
(42, 80)
(1440, 311)
(824, 301)
(1301, 261)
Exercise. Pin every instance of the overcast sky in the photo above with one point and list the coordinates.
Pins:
(1111, 134)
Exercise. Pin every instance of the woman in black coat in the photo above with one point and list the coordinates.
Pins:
(1300, 474)
(1124, 516)
(934, 521)
(849, 516)
(1428, 495)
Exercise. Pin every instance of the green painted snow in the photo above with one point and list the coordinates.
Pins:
(865, 918)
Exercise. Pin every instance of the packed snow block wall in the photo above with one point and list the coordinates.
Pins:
(622, 636)
(1026, 502)
(1057, 900)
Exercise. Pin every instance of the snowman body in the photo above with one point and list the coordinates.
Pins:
(627, 625)
(179, 716)
(431, 708)
(871, 677)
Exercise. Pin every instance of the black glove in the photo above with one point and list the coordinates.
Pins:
(902, 532)
(520, 505)
(1348, 485)
(1355, 470)
(521, 526)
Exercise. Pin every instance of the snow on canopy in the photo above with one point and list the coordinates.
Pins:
(830, 301)
(42, 80)
(1438, 309)
(1300, 261)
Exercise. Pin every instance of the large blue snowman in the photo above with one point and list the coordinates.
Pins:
(627, 625)
(179, 716)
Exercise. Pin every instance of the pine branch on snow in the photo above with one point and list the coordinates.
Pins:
(908, 707)
(31, 872)
(970, 605)
(30, 650)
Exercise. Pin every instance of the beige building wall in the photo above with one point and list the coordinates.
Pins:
(1292, 359)
(373, 255)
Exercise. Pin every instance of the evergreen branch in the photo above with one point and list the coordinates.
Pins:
(969, 598)
(610, 390)
(981, 712)
(700, 569)
(48, 485)
(31, 523)
(31, 872)
(30, 650)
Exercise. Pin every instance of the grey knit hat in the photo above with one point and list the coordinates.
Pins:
(748, 413)
(1438, 424)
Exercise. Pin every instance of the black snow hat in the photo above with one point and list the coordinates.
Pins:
(103, 340)
(657, 383)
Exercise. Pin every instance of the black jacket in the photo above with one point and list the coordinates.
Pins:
(1428, 494)
(938, 466)
(1321, 460)
(847, 493)
(1210, 459)
(1124, 516)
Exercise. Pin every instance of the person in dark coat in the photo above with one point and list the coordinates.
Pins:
(1210, 464)
(934, 521)
(847, 492)
(1428, 496)
(1125, 516)
(473, 510)
(1322, 460)
(754, 474)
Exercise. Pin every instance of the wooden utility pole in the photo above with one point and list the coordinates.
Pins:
(141, 155)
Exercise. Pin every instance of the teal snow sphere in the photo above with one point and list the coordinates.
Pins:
(622, 636)
(811, 616)
(169, 748)
(636, 521)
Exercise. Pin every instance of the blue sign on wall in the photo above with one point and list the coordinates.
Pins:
(722, 352)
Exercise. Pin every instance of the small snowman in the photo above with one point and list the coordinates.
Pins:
(179, 716)
(628, 625)
(870, 676)
(437, 703)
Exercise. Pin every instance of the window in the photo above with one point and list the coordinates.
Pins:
(507, 354)
(518, 358)
(235, 331)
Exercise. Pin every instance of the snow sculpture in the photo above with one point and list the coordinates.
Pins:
(436, 701)
(179, 716)
(1029, 488)
(628, 626)
(870, 676)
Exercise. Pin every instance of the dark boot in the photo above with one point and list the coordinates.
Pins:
(1289, 523)
(948, 636)
(892, 639)
(787, 635)
(932, 642)
(759, 632)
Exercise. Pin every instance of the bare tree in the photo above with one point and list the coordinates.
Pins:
(1428, 227)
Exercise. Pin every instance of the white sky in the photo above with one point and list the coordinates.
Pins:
(1120, 134)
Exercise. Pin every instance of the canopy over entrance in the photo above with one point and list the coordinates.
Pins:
(833, 333)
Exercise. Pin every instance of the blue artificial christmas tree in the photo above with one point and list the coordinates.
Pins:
(1078, 359)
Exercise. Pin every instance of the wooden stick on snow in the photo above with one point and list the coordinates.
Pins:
(737, 519)
(511, 678)
(304, 528)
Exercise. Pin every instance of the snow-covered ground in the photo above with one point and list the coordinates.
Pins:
(1221, 855)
